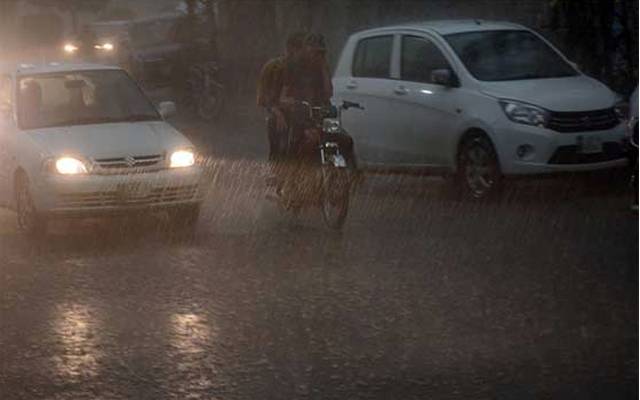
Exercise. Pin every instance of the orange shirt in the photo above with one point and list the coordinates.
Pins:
(271, 82)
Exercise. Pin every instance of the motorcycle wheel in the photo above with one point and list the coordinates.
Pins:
(335, 196)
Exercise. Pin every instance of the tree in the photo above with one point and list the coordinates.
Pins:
(73, 7)
(600, 36)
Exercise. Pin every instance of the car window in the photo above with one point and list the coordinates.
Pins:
(420, 57)
(508, 55)
(84, 97)
(373, 57)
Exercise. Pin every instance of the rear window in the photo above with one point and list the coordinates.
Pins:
(373, 57)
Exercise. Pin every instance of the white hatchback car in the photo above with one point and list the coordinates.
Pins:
(476, 99)
(83, 140)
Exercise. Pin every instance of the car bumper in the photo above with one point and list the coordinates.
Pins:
(112, 194)
(554, 152)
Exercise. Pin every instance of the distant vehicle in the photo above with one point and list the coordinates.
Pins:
(109, 45)
(476, 99)
(83, 140)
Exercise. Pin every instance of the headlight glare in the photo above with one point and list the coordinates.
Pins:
(70, 48)
(524, 113)
(70, 166)
(182, 159)
(105, 47)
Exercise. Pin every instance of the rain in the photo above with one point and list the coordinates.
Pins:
(450, 211)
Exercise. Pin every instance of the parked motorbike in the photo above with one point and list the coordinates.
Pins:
(205, 93)
(318, 173)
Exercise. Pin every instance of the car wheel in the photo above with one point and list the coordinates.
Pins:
(30, 222)
(479, 173)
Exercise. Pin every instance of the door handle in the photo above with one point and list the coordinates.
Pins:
(401, 90)
(352, 85)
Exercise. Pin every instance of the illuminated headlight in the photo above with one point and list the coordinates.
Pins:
(182, 159)
(70, 48)
(524, 113)
(105, 47)
(70, 166)
(331, 126)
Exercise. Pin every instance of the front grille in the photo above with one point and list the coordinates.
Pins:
(570, 155)
(116, 198)
(585, 121)
(128, 165)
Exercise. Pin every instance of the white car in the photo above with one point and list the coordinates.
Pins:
(83, 140)
(476, 99)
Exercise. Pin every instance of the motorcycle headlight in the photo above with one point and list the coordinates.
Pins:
(70, 166)
(182, 159)
(331, 126)
(524, 113)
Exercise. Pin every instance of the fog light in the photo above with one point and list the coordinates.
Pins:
(525, 151)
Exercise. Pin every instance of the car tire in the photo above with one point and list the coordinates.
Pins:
(30, 222)
(478, 175)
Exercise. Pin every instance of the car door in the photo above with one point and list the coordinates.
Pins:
(7, 130)
(425, 112)
(368, 84)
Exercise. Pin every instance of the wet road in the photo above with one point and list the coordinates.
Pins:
(533, 296)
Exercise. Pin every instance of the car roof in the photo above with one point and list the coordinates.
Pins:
(447, 27)
(51, 67)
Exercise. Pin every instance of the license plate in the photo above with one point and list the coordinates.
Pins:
(589, 144)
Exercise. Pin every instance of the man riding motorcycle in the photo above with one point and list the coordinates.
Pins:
(307, 79)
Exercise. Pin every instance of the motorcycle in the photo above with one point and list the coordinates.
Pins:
(205, 92)
(319, 174)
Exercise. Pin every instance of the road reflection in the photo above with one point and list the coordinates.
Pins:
(76, 330)
(192, 336)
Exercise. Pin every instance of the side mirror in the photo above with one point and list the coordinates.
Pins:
(444, 77)
(167, 109)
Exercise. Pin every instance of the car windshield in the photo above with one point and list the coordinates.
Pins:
(508, 55)
(81, 98)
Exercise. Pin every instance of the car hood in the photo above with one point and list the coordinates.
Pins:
(110, 140)
(579, 93)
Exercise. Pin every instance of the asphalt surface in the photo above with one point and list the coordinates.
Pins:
(534, 295)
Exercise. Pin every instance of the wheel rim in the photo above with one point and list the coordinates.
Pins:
(26, 209)
(335, 197)
(479, 170)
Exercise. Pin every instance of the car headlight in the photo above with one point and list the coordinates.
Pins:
(70, 166)
(105, 47)
(331, 126)
(182, 159)
(70, 48)
(524, 113)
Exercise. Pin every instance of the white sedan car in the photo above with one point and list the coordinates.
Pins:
(83, 140)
